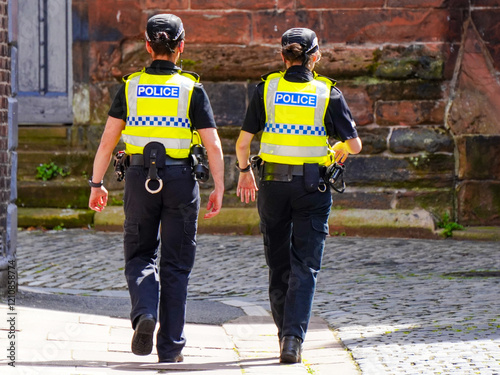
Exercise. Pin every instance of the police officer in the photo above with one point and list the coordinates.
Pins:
(155, 112)
(296, 110)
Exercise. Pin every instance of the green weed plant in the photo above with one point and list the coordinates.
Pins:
(48, 171)
(448, 226)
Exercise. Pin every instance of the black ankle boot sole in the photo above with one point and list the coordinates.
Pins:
(142, 341)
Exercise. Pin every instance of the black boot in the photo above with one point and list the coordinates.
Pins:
(142, 341)
(291, 349)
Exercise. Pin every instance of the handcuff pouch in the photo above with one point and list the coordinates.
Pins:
(154, 155)
(311, 177)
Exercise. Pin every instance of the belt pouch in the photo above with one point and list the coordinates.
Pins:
(311, 177)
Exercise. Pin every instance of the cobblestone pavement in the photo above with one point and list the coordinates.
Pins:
(400, 306)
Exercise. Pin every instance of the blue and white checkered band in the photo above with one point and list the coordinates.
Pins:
(175, 122)
(295, 129)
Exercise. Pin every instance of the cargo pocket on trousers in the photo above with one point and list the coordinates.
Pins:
(130, 239)
(188, 250)
(263, 230)
(317, 240)
(319, 224)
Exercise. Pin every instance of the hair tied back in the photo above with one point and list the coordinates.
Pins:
(162, 35)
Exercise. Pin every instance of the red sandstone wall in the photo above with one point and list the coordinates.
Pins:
(239, 33)
(415, 74)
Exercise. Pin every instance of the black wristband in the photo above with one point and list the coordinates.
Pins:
(243, 170)
(95, 184)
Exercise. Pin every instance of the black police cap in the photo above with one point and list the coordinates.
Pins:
(303, 36)
(168, 25)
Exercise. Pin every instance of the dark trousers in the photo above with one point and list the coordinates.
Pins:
(294, 224)
(170, 215)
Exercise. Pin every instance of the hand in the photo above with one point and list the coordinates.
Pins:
(98, 198)
(214, 204)
(344, 149)
(341, 152)
(246, 187)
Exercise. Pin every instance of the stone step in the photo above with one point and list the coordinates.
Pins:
(32, 137)
(51, 218)
(245, 221)
(68, 192)
(76, 162)
(73, 191)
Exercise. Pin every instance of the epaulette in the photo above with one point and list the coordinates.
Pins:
(264, 76)
(126, 77)
(196, 76)
(316, 75)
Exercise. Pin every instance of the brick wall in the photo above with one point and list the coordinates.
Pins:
(4, 154)
(398, 62)
(7, 251)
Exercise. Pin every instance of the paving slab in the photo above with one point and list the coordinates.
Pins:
(55, 342)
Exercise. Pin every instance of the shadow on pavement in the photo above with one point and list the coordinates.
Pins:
(201, 312)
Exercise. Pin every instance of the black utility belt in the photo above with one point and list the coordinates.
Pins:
(316, 177)
(155, 158)
(285, 172)
(138, 159)
(311, 173)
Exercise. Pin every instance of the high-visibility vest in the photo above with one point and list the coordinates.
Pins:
(158, 111)
(294, 132)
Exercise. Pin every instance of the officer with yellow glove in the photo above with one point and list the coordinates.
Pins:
(297, 110)
(155, 112)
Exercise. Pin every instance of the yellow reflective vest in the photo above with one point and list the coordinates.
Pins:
(158, 111)
(294, 132)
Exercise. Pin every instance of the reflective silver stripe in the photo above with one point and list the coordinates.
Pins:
(272, 87)
(132, 96)
(169, 143)
(295, 151)
(182, 107)
(323, 94)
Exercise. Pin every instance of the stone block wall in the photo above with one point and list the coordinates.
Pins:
(474, 119)
(403, 66)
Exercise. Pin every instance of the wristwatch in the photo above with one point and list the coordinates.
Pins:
(96, 184)
(243, 170)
